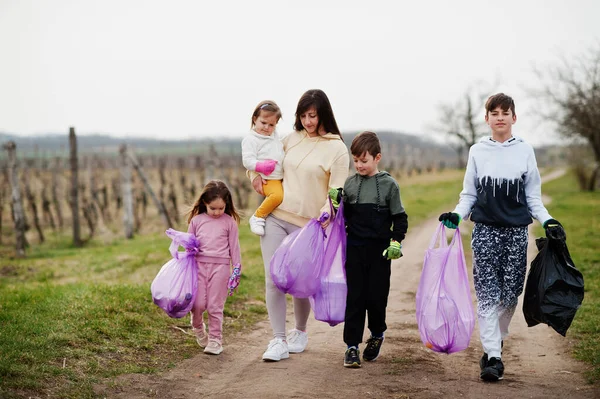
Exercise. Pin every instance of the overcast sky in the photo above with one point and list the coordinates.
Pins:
(184, 69)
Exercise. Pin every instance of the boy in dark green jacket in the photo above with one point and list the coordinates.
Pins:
(376, 224)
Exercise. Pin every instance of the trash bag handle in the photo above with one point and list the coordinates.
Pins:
(440, 236)
(175, 243)
(335, 214)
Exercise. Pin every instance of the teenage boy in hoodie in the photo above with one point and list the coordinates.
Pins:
(376, 224)
(501, 192)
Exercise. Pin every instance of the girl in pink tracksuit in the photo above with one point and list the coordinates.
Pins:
(214, 221)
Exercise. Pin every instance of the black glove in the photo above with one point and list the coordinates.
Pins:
(554, 230)
(450, 219)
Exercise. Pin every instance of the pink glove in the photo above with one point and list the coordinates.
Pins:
(266, 167)
(234, 279)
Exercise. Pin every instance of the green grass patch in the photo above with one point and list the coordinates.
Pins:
(73, 317)
(579, 213)
(423, 198)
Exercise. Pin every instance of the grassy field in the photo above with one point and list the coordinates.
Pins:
(579, 213)
(72, 318)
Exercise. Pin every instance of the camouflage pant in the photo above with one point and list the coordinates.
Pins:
(499, 267)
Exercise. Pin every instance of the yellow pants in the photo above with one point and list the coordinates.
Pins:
(274, 196)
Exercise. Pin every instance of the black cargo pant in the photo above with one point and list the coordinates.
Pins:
(368, 279)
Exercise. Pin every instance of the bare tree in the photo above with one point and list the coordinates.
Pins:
(159, 204)
(570, 96)
(17, 203)
(462, 121)
(32, 205)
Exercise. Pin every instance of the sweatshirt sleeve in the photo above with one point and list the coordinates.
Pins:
(533, 190)
(400, 226)
(468, 195)
(399, 216)
(192, 227)
(234, 244)
(337, 174)
(249, 153)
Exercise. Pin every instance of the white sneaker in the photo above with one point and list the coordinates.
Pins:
(201, 335)
(214, 347)
(257, 225)
(297, 341)
(277, 350)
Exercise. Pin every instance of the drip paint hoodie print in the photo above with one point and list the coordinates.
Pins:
(502, 185)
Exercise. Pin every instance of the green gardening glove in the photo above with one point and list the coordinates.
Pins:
(336, 196)
(450, 219)
(394, 251)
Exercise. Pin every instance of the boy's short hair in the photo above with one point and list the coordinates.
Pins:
(500, 100)
(365, 142)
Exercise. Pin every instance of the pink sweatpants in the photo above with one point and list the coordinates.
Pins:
(212, 294)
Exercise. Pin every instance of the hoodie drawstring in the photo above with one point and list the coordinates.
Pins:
(360, 181)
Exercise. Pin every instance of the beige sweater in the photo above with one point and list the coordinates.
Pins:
(311, 166)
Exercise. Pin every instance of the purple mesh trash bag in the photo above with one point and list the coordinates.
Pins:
(296, 265)
(175, 286)
(329, 303)
(445, 313)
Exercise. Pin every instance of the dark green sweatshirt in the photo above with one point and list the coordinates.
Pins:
(373, 209)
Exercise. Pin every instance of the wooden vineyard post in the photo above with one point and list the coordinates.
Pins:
(54, 190)
(74, 191)
(17, 203)
(127, 195)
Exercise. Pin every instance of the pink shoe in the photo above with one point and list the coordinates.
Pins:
(201, 336)
(214, 347)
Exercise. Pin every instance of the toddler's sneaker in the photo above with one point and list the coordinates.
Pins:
(257, 225)
(352, 358)
(277, 350)
(214, 347)
(492, 369)
(297, 341)
(371, 352)
(201, 335)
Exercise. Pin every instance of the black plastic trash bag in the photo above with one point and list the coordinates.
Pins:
(554, 288)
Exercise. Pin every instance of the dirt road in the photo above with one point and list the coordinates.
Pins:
(537, 360)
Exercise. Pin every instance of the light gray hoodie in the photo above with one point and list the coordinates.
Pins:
(502, 185)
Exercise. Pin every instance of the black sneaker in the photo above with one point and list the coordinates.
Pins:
(352, 358)
(491, 369)
(483, 361)
(371, 352)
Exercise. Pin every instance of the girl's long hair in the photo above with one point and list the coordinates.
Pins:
(214, 189)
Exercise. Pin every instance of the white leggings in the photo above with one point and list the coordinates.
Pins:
(275, 231)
